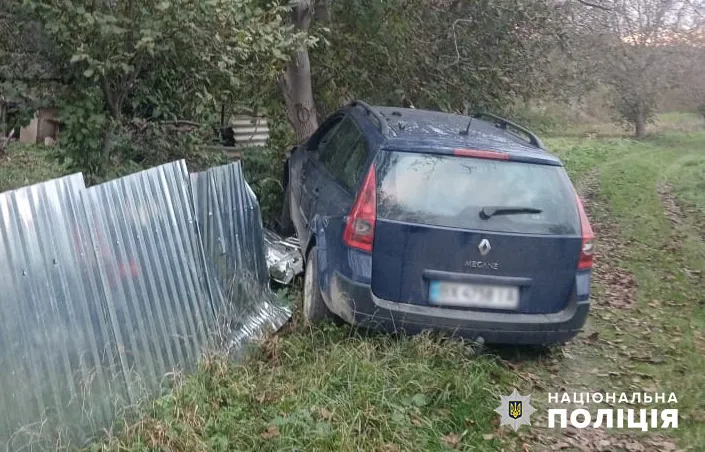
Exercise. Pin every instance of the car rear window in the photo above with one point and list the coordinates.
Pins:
(451, 191)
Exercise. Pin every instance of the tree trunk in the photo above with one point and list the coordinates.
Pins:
(3, 118)
(295, 83)
(640, 124)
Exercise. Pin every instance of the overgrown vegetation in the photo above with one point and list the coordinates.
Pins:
(330, 389)
(652, 47)
(26, 165)
(441, 55)
(134, 76)
(645, 330)
(141, 83)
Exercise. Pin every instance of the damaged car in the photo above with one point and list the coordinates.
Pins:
(410, 220)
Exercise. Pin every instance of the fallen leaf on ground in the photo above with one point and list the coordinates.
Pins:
(451, 440)
(325, 414)
(634, 447)
(666, 446)
(271, 432)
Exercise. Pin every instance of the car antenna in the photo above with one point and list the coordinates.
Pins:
(467, 130)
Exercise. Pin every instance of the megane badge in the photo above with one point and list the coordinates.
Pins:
(484, 247)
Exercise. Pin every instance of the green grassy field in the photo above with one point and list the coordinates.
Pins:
(336, 388)
(646, 330)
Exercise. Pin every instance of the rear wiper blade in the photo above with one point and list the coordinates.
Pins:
(488, 212)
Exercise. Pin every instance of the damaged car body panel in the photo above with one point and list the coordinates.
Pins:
(284, 259)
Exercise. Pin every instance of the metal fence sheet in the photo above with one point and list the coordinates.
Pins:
(233, 235)
(106, 291)
(152, 272)
(57, 360)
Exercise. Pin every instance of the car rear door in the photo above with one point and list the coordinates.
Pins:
(303, 174)
(431, 243)
(335, 174)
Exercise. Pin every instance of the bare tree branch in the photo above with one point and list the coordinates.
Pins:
(594, 5)
(455, 42)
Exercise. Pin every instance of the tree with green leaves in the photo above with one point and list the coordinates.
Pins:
(155, 60)
(441, 54)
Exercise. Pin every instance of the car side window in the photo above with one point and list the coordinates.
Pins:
(345, 154)
(318, 142)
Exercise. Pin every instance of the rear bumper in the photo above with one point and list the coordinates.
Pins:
(357, 304)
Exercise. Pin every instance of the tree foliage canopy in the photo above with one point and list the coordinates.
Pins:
(640, 49)
(155, 60)
(119, 70)
(438, 54)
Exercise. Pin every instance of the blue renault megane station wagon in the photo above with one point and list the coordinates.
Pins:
(411, 220)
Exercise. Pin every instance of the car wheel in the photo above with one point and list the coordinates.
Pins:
(286, 226)
(315, 309)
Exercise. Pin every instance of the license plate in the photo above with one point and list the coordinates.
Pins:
(474, 295)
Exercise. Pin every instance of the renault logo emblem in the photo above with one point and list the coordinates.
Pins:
(484, 247)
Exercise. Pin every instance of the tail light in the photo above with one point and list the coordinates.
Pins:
(360, 225)
(586, 251)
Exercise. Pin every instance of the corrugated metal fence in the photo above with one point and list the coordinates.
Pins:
(106, 292)
(249, 131)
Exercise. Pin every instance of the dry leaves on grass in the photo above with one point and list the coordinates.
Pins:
(266, 397)
(271, 432)
(699, 342)
(271, 349)
(597, 440)
(619, 284)
(619, 287)
(325, 414)
(451, 440)
(672, 210)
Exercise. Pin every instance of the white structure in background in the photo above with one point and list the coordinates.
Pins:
(249, 131)
(43, 128)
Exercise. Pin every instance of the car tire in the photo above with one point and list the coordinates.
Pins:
(286, 226)
(314, 308)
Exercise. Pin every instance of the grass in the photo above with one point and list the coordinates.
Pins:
(658, 345)
(678, 122)
(336, 388)
(327, 389)
(27, 165)
(661, 256)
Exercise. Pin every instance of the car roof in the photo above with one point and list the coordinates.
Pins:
(409, 127)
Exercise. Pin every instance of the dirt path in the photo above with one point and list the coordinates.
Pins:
(595, 361)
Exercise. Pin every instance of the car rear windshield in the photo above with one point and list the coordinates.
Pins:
(452, 191)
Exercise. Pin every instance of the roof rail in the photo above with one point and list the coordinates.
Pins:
(382, 122)
(503, 124)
